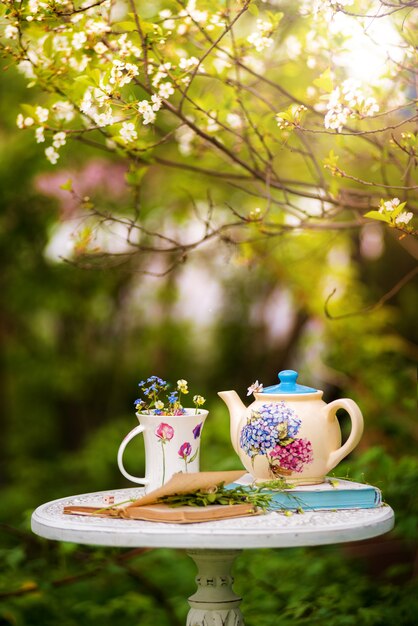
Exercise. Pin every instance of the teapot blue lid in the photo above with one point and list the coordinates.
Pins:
(288, 384)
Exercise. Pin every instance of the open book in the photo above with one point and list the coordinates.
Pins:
(150, 508)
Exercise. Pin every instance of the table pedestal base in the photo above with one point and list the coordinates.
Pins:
(214, 603)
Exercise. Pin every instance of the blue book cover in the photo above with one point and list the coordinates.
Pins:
(334, 493)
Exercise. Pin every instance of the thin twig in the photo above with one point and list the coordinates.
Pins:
(371, 307)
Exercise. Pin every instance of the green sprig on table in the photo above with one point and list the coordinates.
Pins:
(220, 496)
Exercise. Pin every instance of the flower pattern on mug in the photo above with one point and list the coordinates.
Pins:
(196, 430)
(271, 432)
(165, 432)
(185, 450)
(185, 453)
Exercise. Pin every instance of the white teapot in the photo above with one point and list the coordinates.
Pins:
(290, 432)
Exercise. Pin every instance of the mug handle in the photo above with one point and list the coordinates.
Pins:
(135, 479)
(357, 426)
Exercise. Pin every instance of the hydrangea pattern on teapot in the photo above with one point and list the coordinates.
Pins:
(272, 431)
(289, 431)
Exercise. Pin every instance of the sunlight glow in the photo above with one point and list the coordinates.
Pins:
(370, 48)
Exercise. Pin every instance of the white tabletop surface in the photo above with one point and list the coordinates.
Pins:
(272, 530)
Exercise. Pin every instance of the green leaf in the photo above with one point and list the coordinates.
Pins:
(28, 110)
(275, 18)
(253, 9)
(95, 76)
(135, 176)
(285, 441)
(48, 46)
(394, 214)
(375, 215)
(127, 26)
(83, 79)
(67, 186)
(324, 81)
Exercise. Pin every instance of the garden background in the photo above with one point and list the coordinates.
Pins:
(77, 336)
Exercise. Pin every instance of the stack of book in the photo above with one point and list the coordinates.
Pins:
(333, 494)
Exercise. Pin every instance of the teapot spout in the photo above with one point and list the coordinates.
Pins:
(236, 410)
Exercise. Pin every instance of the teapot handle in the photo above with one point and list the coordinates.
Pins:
(357, 426)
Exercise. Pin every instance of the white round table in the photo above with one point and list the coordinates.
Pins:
(212, 545)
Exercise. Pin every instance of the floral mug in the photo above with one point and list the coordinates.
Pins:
(172, 444)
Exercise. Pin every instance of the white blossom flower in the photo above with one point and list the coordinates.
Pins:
(160, 74)
(195, 14)
(86, 103)
(100, 48)
(185, 136)
(389, 205)
(127, 48)
(41, 114)
(255, 388)
(39, 134)
(370, 107)
(131, 71)
(11, 32)
(147, 110)
(293, 46)
(257, 65)
(165, 90)
(104, 119)
(216, 20)
(234, 120)
(78, 40)
(61, 44)
(63, 110)
(259, 42)
(35, 5)
(212, 125)
(404, 217)
(52, 155)
(348, 101)
(26, 68)
(116, 72)
(187, 63)
(148, 117)
(336, 117)
(102, 94)
(221, 61)
(59, 139)
(261, 39)
(96, 27)
(24, 122)
(128, 132)
(168, 23)
(79, 65)
(156, 102)
(143, 106)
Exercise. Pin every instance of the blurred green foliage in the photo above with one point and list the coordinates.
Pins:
(72, 352)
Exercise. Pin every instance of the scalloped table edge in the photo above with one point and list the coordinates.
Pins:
(271, 530)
